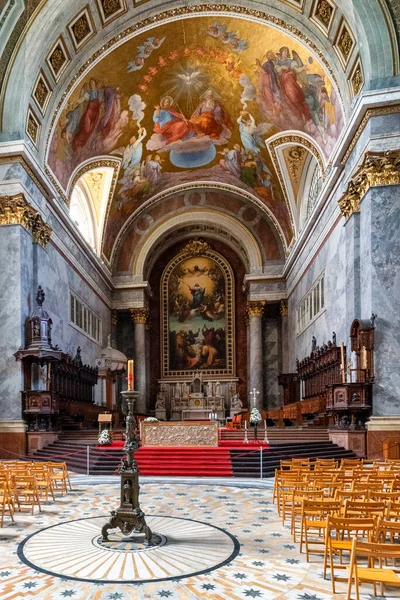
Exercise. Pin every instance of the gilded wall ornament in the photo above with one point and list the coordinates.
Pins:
(377, 169)
(81, 29)
(357, 80)
(57, 59)
(140, 315)
(110, 7)
(16, 210)
(32, 127)
(323, 12)
(345, 43)
(41, 92)
(295, 157)
(196, 247)
(283, 308)
(255, 309)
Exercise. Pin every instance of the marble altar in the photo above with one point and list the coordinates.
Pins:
(181, 433)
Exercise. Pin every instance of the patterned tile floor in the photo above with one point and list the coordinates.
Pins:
(268, 565)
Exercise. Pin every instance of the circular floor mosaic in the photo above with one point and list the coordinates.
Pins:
(72, 550)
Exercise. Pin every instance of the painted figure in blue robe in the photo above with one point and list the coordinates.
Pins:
(249, 132)
(197, 294)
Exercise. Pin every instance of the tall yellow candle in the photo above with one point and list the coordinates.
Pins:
(342, 366)
(131, 376)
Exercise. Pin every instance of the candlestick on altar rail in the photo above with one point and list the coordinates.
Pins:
(342, 365)
(131, 376)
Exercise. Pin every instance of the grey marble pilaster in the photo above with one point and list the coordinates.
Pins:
(255, 312)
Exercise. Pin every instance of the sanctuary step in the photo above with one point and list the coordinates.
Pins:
(101, 462)
(202, 461)
(248, 464)
(279, 434)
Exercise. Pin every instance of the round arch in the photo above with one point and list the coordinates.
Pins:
(225, 222)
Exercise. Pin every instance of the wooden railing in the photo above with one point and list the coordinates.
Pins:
(296, 411)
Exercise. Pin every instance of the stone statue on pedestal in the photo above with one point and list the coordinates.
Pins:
(217, 389)
(185, 389)
(236, 403)
(161, 412)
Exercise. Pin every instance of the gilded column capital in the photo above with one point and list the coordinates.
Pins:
(140, 315)
(381, 168)
(16, 210)
(255, 309)
(284, 307)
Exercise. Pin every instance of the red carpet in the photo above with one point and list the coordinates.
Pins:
(118, 444)
(201, 461)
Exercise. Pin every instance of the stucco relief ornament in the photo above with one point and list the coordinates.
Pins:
(196, 247)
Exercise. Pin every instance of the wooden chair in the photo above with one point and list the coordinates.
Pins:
(376, 554)
(25, 491)
(393, 511)
(297, 506)
(43, 480)
(59, 476)
(313, 522)
(387, 531)
(343, 495)
(6, 501)
(285, 494)
(358, 508)
(338, 539)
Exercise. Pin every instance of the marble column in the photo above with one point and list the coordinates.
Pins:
(140, 318)
(255, 312)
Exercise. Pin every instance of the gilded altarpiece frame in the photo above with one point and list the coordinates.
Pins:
(197, 314)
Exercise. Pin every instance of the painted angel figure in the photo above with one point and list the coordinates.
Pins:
(136, 64)
(132, 153)
(250, 133)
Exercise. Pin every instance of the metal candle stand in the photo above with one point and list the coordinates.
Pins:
(129, 517)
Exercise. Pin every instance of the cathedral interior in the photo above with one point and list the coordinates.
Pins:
(199, 210)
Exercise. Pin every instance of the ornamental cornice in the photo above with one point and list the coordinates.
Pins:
(255, 309)
(378, 169)
(16, 210)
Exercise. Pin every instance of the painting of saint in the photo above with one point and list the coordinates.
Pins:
(210, 118)
(197, 315)
(171, 124)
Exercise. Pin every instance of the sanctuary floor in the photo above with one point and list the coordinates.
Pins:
(225, 541)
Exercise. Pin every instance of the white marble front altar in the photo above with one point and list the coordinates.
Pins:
(196, 398)
(188, 433)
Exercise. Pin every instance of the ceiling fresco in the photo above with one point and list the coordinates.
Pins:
(195, 100)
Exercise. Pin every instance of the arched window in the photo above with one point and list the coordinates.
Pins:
(80, 214)
(314, 190)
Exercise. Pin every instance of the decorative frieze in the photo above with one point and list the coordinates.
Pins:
(16, 210)
(377, 169)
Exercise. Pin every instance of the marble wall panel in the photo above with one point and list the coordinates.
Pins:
(15, 307)
(58, 278)
(380, 281)
(330, 259)
(271, 362)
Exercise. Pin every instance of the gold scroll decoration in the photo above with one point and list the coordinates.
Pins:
(377, 169)
(16, 210)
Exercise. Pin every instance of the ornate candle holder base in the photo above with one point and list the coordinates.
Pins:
(129, 517)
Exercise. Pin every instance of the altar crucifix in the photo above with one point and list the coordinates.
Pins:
(253, 394)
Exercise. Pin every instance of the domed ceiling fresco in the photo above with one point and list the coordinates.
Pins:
(196, 100)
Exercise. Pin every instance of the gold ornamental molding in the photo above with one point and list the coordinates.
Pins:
(381, 168)
(255, 309)
(140, 315)
(16, 210)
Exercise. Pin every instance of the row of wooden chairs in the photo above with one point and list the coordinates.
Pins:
(326, 512)
(24, 484)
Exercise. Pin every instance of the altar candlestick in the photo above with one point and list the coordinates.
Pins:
(131, 376)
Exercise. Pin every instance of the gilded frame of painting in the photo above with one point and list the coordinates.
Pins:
(229, 369)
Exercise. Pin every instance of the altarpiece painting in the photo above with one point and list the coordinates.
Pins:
(197, 325)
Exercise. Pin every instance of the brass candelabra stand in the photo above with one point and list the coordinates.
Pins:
(129, 517)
